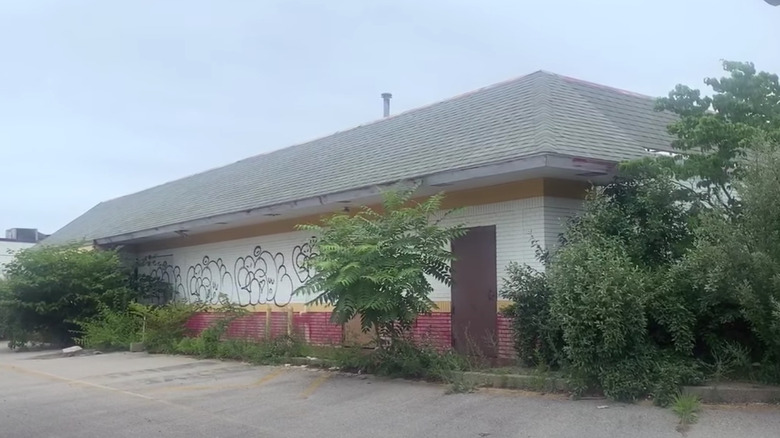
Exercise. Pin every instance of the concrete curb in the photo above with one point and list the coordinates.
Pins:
(311, 361)
(725, 393)
(540, 383)
(735, 393)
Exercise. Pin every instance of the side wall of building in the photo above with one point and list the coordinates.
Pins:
(265, 270)
(262, 272)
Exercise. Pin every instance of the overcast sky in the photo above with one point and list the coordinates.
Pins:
(102, 98)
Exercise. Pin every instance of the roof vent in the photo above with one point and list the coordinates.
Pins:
(386, 98)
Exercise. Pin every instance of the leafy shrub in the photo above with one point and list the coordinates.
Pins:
(283, 347)
(190, 346)
(164, 326)
(733, 269)
(404, 358)
(603, 308)
(213, 342)
(10, 328)
(376, 265)
(159, 327)
(673, 268)
(212, 337)
(48, 290)
(759, 291)
(210, 340)
(111, 330)
(260, 352)
(537, 338)
(599, 304)
(669, 374)
(625, 316)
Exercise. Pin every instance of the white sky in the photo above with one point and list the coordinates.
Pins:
(101, 98)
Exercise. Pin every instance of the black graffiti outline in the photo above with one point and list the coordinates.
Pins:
(170, 274)
(260, 275)
(301, 255)
(203, 285)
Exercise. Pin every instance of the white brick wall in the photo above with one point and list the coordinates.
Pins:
(258, 270)
(557, 211)
(269, 274)
(517, 224)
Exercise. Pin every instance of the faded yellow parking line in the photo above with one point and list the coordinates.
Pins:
(314, 385)
(262, 381)
(77, 382)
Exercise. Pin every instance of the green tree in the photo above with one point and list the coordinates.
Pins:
(729, 148)
(624, 328)
(48, 290)
(657, 277)
(714, 134)
(377, 264)
(739, 260)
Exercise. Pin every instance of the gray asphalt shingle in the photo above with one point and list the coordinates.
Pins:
(538, 113)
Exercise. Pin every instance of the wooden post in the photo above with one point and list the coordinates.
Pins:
(268, 322)
(290, 321)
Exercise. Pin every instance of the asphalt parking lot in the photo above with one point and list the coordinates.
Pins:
(135, 394)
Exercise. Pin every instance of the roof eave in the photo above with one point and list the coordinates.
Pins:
(445, 178)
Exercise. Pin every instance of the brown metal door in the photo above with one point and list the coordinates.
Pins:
(474, 310)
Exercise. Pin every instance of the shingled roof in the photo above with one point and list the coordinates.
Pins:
(541, 113)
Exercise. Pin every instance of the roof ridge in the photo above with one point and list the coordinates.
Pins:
(543, 113)
(449, 99)
(605, 87)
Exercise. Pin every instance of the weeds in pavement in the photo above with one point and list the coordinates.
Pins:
(260, 352)
(686, 407)
(459, 385)
(404, 358)
(543, 380)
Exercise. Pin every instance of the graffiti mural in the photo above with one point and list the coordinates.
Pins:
(207, 280)
(301, 255)
(260, 277)
(168, 273)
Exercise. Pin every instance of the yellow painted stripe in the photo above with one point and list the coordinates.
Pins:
(314, 385)
(39, 374)
(77, 382)
(263, 380)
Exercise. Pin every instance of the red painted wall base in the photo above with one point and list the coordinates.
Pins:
(315, 327)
